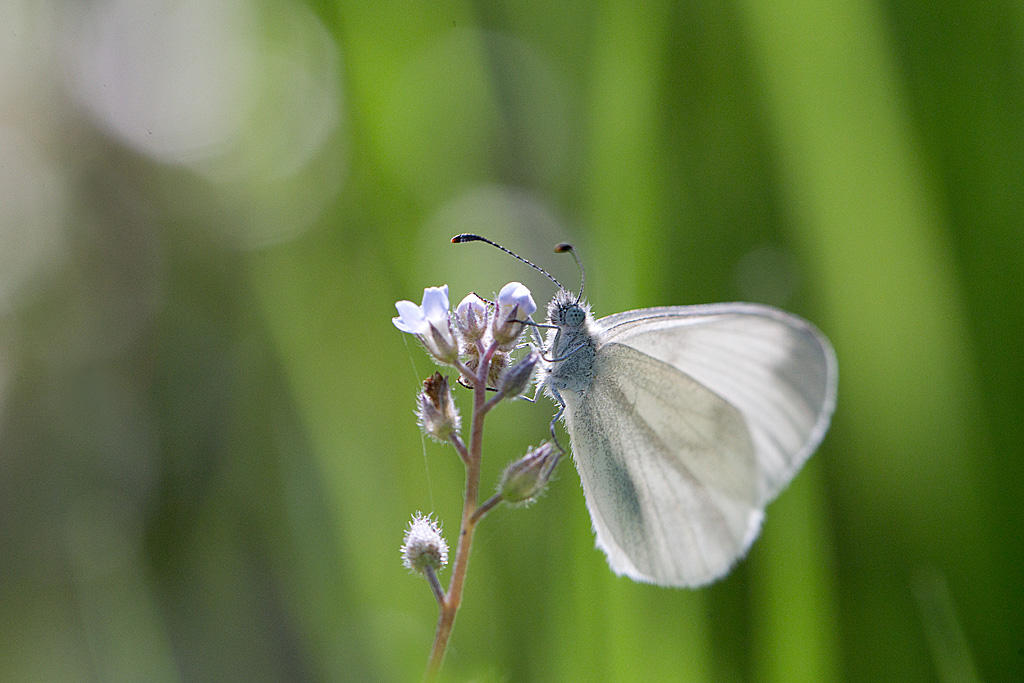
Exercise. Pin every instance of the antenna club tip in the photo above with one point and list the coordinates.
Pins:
(467, 237)
(562, 247)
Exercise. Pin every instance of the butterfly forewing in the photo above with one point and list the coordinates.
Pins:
(776, 369)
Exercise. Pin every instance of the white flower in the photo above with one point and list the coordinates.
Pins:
(423, 545)
(417, 319)
(471, 316)
(514, 303)
(430, 323)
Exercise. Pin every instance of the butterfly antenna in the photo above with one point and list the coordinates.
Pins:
(470, 237)
(566, 247)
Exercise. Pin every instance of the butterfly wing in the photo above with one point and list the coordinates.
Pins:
(668, 470)
(696, 418)
(777, 369)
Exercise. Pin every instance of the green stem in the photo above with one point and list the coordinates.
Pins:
(450, 602)
(435, 584)
(488, 505)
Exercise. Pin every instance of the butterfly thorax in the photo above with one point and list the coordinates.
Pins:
(570, 349)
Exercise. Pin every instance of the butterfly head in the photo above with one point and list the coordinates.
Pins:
(571, 345)
(566, 312)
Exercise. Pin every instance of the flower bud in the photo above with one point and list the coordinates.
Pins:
(423, 545)
(435, 410)
(525, 479)
(514, 304)
(441, 343)
(499, 362)
(516, 379)
(471, 318)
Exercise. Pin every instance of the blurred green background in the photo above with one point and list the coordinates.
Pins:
(208, 207)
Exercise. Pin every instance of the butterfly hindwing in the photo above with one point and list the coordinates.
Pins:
(667, 468)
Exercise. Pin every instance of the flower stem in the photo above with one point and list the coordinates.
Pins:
(450, 601)
(488, 505)
(435, 584)
(460, 447)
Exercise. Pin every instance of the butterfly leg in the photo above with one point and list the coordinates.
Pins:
(567, 354)
(561, 411)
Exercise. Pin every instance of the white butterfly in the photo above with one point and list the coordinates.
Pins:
(685, 422)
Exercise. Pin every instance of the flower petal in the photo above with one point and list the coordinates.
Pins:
(472, 303)
(410, 318)
(516, 294)
(435, 303)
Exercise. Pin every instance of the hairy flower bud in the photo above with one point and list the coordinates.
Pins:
(435, 410)
(423, 545)
(525, 479)
(499, 362)
(514, 304)
(471, 318)
(516, 379)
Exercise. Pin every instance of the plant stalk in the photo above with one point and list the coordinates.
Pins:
(450, 602)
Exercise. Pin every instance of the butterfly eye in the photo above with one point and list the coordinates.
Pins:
(573, 316)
